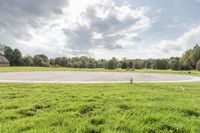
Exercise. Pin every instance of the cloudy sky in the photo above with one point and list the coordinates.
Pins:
(101, 28)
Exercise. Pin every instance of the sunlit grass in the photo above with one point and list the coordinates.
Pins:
(96, 108)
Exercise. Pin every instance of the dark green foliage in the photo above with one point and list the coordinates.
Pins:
(127, 64)
(52, 62)
(160, 64)
(124, 65)
(97, 121)
(16, 57)
(27, 61)
(148, 64)
(195, 55)
(139, 64)
(41, 60)
(169, 128)
(174, 63)
(112, 64)
(123, 107)
(86, 109)
(130, 64)
(198, 65)
(191, 113)
(8, 52)
(189, 61)
(190, 58)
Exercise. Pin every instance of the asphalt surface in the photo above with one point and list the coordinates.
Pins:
(90, 77)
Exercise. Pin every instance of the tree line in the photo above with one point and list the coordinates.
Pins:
(190, 60)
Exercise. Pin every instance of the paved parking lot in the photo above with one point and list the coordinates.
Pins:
(90, 77)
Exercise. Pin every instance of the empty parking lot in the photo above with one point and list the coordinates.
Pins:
(90, 77)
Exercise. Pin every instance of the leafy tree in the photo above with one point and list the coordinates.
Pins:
(58, 61)
(148, 63)
(41, 60)
(101, 63)
(189, 60)
(174, 63)
(75, 65)
(130, 64)
(139, 64)
(112, 64)
(52, 61)
(124, 65)
(92, 63)
(16, 57)
(160, 64)
(198, 66)
(185, 60)
(27, 61)
(8, 52)
(64, 62)
(195, 55)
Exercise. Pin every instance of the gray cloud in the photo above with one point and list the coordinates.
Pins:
(79, 40)
(111, 24)
(18, 16)
(56, 27)
(106, 26)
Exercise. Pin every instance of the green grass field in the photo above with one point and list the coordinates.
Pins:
(28, 69)
(100, 108)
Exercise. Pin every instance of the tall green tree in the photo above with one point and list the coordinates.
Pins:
(41, 60)
(8, 53)
(195, 55)
(186, 61)
(130, 64)
(124, 65)
(198, 66)
(112, 64)
(174, 63)
(16, 57)
(27, 61)
(160, 64)
(139, 64)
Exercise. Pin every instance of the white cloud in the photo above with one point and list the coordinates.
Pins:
(167, 48)
(105, 25)
(70, 27)
(26, 24)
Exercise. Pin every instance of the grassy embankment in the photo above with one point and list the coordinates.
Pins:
(96, 108)
(25, 69)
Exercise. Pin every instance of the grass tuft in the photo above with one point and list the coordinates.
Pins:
(97, 121)
(123, 107)
(86, 109)
(191, 113)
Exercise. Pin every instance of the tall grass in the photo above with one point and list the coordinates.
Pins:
(100, 108)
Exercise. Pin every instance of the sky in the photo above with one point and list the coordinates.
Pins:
(101, 28)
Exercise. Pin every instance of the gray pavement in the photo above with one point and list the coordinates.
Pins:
(90, 77)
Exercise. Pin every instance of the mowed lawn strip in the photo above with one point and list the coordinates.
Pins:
(32, 69)
(100, 108)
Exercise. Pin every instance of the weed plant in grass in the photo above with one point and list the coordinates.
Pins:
(100, 108)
